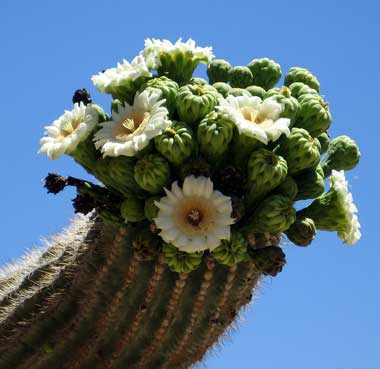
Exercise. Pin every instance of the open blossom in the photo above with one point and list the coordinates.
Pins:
(133, 126)
(121, 75)
(194, 217)
(254, 117)
(71, 128)
(154, 47)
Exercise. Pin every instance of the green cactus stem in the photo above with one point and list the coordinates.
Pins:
(61, 307)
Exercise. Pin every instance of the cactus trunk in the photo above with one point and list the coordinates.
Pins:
(90, 301)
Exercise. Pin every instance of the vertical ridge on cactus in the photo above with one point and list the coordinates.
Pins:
(100, 321)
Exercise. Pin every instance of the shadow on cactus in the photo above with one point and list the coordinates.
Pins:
(198, 183)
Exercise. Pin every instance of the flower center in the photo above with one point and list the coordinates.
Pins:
(69, 127)
(194, 217)
(131, 124)
(254, 116)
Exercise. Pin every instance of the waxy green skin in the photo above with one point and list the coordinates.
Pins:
(150, 208)
(176, 143)
(198, 81)
(217, 71)
(232, 251)
(266, 72)
(342, 154)
(128, 91)
(256, 91)
(118, 174)
(132, 210)
(223, 88)
(214, 135)
(178, 66)
(314, 115)
(240, 77)
(194, 102)
(287, 188)
(290, 105)
(300, 150)
(168, 89)
(297, 74)
(324, 140)
(327, 212)
(152, 173)
(274, 214)
(302, 232)
(299, 88)
(236, 91)
(265, 171)
(310, 183)
(179, 261)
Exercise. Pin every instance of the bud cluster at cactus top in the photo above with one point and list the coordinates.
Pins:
(205, 167)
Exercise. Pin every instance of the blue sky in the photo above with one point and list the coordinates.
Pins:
(323, 310)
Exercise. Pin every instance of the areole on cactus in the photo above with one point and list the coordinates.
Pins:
(199, 182)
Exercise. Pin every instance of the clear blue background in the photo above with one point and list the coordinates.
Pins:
(323, 310)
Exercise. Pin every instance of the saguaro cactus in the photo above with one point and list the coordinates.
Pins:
(91, 301)
(198, 183)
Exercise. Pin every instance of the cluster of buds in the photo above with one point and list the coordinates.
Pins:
(205, 167)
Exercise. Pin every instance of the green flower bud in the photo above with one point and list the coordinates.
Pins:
(146, 245)
(223, 88)
(132, 210)
(274, 214)
(127, 91)
(302, 232)
(324, 140)
(265, 171)
(152, 173)
(342, 154)
(175, 143)
(195, 102)
(287, 188)
(298, 89)
(150, 208)
(218, 70)
(269, 260)
(214, 135)
(310, 183)
(240, 77)
(314, 115)
(179, 65)
(167, 87)
(297, 74)
(256, 91)
(300, 150)
(180, 261)
(118, 174)
(290, 105)
(198, 81)
(239, 92)
(232, 251)
(266, 72)
(241, 148)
